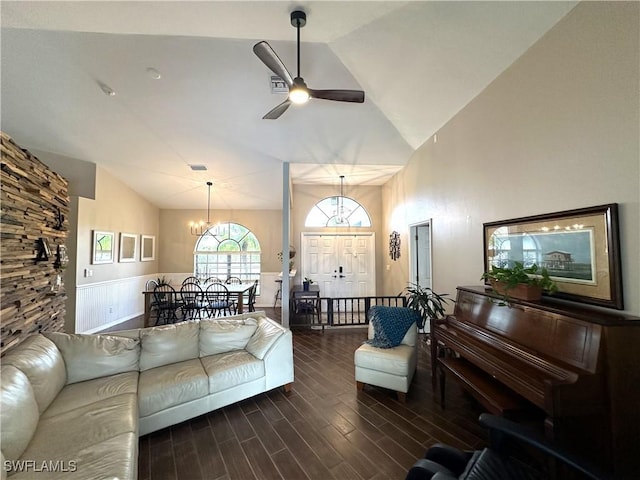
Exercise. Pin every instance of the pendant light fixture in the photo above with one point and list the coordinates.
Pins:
(341, 214)
(198, 229)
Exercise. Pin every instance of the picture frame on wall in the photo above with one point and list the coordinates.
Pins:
(579, 248)
(128, 247)
(147, 248)
(103, 247)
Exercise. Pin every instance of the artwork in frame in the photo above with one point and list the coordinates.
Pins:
(128, 247)
(103, 247)
(147, 248)
(579, 248)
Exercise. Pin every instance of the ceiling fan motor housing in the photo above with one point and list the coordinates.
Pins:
(298, 18)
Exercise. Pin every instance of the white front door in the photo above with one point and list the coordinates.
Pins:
(343, 265)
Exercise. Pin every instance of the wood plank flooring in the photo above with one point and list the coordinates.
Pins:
(324, 429)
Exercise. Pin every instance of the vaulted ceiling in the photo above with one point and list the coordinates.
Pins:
(418, 62)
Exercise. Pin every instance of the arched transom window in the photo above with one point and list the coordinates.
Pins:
(338, 211)
(227, 250)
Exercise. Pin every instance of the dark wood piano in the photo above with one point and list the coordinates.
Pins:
(578, 365)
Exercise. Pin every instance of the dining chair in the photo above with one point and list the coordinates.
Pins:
(191, 279)
(250, 300)
(309, 309)
(193, 302)
(167, 303)
(212, 280)
(233, 281)
(149, 286)
(218, 301)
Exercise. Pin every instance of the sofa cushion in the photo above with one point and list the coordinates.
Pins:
(89, 436)
(266, 335)
(113, 458)
(80, 394)
(18, 412)
(94, 356)
(168, 344)
(220, 336)
(170, 385)
(395, 361)
(41, 361)
(58, 435)
(227, 370)
(133, 333)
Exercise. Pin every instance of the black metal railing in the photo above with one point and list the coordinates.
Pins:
(350, 311)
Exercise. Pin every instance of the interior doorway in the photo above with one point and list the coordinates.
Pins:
(421, 256)
(342, 264)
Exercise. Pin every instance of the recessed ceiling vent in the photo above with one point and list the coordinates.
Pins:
(198, 168)
(278, 85)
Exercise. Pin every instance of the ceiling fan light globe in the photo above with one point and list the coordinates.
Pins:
(298, 95)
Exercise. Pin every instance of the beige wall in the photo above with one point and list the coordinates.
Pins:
(558, 130)
(177, 244)
(116, 209)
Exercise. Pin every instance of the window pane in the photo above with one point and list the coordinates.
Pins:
(228, 246)
(232, 252)
(337, 211)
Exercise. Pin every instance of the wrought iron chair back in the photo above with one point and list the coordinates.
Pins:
(218, 300)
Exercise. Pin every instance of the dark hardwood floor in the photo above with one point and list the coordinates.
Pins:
(324, 429)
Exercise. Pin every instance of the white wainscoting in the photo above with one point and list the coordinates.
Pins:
(268, 288)
(105, 304)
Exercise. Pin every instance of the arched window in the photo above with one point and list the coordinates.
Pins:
(338, 211)
(506, 248)
(227, 250)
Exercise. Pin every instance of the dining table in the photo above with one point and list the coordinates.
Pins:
(236, 291)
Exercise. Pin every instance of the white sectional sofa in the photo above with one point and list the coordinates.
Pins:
(73, 406)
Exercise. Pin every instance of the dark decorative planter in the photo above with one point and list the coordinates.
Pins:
(305, 286)
(522, 291)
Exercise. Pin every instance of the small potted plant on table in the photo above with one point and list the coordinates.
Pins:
(524, 283)
(305, 284)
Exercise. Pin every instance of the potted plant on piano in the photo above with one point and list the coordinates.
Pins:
(524, 283)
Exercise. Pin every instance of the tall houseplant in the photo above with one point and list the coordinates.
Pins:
(429, 304)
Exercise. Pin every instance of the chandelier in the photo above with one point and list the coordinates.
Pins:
(341, 213)
(198, 229)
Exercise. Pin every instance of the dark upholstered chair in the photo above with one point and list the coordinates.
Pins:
(497, 462)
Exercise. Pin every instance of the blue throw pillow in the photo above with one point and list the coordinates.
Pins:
(390, 325)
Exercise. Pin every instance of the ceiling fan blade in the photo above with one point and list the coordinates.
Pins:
(265, 53)
(356, 96)
(277, 111)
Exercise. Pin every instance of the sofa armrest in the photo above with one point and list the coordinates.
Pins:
(278, 361)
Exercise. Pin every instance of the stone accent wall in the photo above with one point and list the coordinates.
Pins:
(35, 205)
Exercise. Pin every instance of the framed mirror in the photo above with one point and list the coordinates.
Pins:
(579, 248)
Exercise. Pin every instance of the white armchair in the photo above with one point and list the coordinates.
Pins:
(391, 368)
